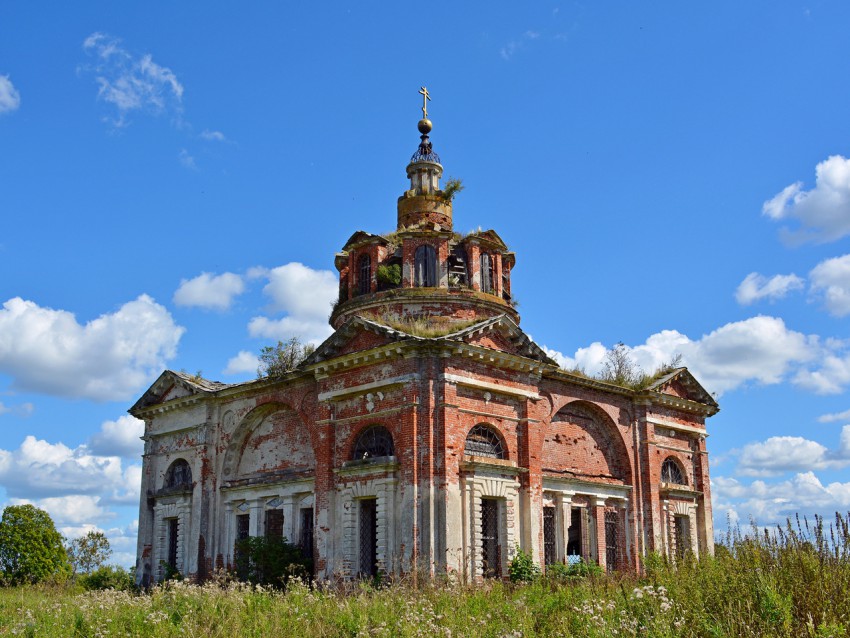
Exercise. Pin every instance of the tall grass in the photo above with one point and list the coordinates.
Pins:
(793, 581)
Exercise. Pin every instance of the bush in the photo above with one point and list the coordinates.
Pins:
(108, 577)
(388, 276)
(271, 561)
(576, 571)
(523, 568)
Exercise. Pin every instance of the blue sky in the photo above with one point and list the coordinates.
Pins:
(175, 179)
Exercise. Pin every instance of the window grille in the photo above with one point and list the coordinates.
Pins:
(491, 554)
(683, 535)
(373, 442)
(179, 474)
(364, 271)
(672, 473)
(612, 540)
(484, 441)
(549, 547)
(369, 537)
(274, 523)
(486, 273)
(173, 534)
(425, 266)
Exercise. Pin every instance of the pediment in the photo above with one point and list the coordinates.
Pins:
(355, 335)
(682, 384)
(502, 334)
(175, 385)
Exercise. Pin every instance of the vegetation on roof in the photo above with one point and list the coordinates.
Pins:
(425, 327)
(277, 360)
(621, 369)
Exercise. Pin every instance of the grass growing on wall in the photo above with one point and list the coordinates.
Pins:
(796, 583)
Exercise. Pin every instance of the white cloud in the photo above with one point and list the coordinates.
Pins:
(10, 98)
(773, 503)
(830, 280)
(760, 349)
(830, 377)
(213, 136)
(242, 363)
(119, 438)
(823, 212)
(837, 416)
(73, 510)
(109, 358)
(21, 409)
(186, 160)
(305, 295)
(756, 287)
(131, 83)
(209, 291)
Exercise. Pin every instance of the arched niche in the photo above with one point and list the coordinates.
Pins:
(583, 440)
(270, 439)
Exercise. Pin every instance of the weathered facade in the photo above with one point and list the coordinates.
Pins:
(428, 433)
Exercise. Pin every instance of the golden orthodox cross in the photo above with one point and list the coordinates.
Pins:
(425, 97)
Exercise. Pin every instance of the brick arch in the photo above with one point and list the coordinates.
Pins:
(348, 439)
(676, 461)
(356, 434)
(506, 450)
(582, 439)
(271, 426)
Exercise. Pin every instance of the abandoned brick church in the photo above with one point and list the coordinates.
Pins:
(428, 433)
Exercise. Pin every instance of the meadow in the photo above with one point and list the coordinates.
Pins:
(789, 582)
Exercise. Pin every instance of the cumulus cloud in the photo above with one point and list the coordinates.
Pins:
(822, 213)
(837, 416)
(129, 82)
(121, 437)
(242, 363)
(772, 503)
(781, 454)
(831, 375)
(760, 349)
(10, 98)
(756, 287)
(107, 359)
(39, 469)
(830, 281)
(215, 292)
(305, 295)
(73, 510)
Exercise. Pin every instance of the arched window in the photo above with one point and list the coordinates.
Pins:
(425, 267)
(179, 474)
(484, 441)
(671, 472)
(373, 442)
(486, 273)
(364, 274)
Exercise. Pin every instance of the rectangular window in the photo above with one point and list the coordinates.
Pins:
(612, 540)
(549, 542)
(274, 523)
(305, 539)
(683, 535)
(491, 551)
(369, 537)
(173, 533)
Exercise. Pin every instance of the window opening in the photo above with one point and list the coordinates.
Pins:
(612, 525)
(179, 474)
(484, 441)
(274, 523)
(369, 537)
(491, 553)
(672, 473)
(549, 547)
(305, 540)
(242, 526)
(457, 267)
(425, 267)
(574, 548)
(373, 442)
(486, 273)
(683, 535)
(364, 271)
(173, 533)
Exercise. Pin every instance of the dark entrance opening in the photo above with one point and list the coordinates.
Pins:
(305, 540)
(369, 537)
(274, 523)
(574, 547)
(490, 548)
(173, 531)
(683, 535)
(549, 547)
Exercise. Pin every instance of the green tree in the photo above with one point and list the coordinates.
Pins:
(89, 552)
(277, 360)
(31, 549)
